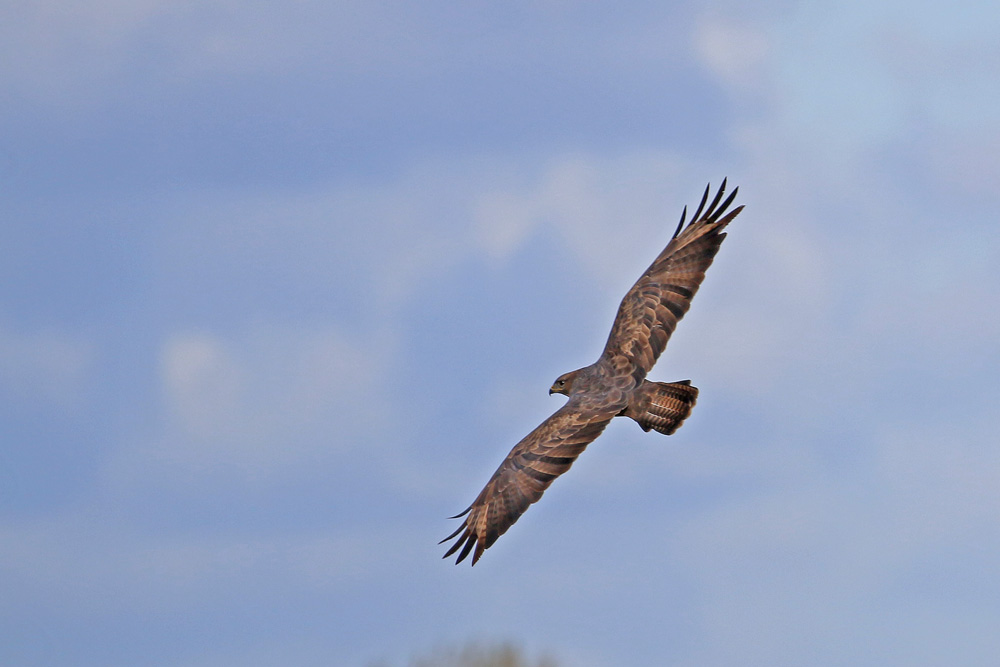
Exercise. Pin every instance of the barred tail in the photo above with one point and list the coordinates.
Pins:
(662, 406)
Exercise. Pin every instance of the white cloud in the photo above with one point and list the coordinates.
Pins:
(775, 298)
(75, 53)
(387, 240)
(59, 49)
(260, 408)
(605, 208)
(734, 51)
(380, 242)
(202, 384)
(819, 522)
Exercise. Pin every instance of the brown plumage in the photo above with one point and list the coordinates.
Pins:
(615, 385)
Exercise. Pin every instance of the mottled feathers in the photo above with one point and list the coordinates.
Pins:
(614, 385)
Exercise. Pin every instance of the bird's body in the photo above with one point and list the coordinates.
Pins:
(614, 385)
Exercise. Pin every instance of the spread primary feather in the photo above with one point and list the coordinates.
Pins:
(614, 385)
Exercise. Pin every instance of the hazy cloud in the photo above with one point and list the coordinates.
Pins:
(45, 367)
(325, 257)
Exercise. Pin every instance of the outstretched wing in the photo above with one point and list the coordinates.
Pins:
(528, 470)
(651, 309)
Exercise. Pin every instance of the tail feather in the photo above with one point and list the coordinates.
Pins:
(662, 406)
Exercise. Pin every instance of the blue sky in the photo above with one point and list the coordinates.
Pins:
(284, 282)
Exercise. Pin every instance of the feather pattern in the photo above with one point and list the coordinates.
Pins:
(614, 385)
(528, 470)
(650, 311)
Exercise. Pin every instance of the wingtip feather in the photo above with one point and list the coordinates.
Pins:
(704, 198)
(680, 225)
(460, 529)
(461, 514)
(454, 547)
(715, 201)
(470, 542)
(730, 216)
(725, 204)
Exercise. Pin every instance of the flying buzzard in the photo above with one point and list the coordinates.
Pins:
(615, 385)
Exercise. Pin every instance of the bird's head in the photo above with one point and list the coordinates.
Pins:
(564, 384)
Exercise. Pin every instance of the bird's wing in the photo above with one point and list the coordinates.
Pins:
(528, 470)
(651, 309)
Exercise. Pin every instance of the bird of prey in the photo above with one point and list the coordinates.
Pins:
(615, 385)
